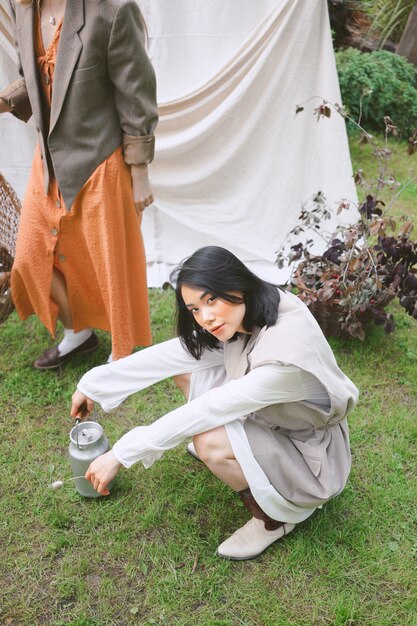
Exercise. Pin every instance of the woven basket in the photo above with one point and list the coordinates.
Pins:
(9, 221)
(328, 314)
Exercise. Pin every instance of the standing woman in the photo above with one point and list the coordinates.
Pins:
(88, 82)
(267, 406)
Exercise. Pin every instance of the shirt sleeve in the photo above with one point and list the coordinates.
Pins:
(263, 386)
(111, 384)
(133, 78)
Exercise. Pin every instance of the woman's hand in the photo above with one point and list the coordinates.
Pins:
(4, 107)
(142, 192)
(81, 405)
(102, 471)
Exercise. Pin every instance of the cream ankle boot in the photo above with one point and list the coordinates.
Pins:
(251, 540)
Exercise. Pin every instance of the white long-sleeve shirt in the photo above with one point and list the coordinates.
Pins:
(110, 384)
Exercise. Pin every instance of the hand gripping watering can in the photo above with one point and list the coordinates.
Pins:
(87, 442)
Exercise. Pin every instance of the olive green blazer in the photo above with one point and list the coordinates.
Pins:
(104, 91)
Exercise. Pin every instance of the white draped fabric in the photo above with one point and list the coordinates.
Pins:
(233, 162)
(17, 140)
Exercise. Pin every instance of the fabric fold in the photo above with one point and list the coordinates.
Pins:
(233, 162)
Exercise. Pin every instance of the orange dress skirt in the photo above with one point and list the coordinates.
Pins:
(97, 245)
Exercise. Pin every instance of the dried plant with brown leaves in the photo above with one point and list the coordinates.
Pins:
(365, 265)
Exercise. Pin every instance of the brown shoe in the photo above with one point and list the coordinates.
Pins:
(255, 510)
(51, 359)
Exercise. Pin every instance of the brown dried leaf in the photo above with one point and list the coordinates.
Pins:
(355, 265)
(195, 564)
(406, 229)
(322, 111)
(327, 293)
(360, 333)
(390, 127)
(383, 153)
(359, 177)
(375, 227)
(365, 138)
(344, 204)
(412, 143)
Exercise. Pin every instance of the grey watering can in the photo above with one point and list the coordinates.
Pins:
(87, 442)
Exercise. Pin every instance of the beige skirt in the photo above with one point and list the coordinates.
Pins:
(266, 495)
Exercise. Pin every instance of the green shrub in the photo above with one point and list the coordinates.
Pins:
(386, 85)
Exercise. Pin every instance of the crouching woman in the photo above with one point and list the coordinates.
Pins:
(267, 402)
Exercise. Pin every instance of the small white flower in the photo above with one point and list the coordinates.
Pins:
(57, 484)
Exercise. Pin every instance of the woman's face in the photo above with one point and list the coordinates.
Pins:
(220, 318)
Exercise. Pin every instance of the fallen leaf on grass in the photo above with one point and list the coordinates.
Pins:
(195, 564)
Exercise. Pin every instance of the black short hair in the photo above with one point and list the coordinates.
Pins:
(218, 271)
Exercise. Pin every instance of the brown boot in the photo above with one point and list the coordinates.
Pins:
(253, 507)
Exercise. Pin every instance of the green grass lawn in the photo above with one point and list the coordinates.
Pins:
(400, 165)
(146, 555)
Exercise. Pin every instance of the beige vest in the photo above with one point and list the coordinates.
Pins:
(303, 448)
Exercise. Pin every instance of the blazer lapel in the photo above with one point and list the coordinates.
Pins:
(27, 58)
(69, 49)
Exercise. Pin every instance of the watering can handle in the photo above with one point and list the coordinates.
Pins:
(82, 411)
(77, 423)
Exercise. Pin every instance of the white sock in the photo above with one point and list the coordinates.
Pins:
(72, 340)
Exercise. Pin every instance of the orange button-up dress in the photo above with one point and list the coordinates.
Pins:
(97, 245)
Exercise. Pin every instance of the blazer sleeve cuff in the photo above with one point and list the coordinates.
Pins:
(138, 150)
(16, 96)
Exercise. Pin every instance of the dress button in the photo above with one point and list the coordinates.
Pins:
(38, 129)
(58, 204)
(47, 81)
(41, 157)
(54, 232)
